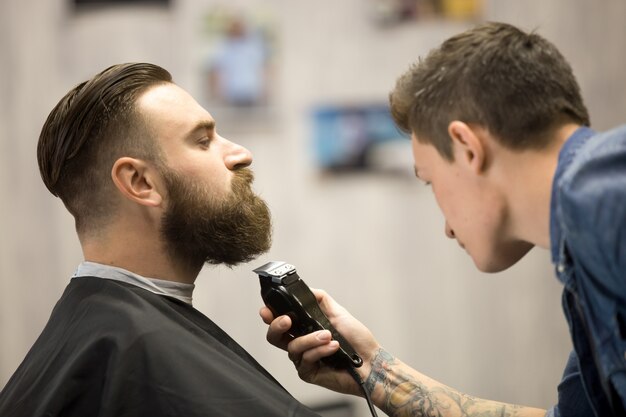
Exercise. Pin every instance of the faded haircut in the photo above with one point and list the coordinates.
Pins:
(92, 126)
(515, 84)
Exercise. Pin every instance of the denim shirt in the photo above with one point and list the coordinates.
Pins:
(588, 242)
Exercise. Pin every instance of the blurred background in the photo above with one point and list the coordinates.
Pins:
(303, 85)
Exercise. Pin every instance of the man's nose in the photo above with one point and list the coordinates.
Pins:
(449, 231)
(236, 156)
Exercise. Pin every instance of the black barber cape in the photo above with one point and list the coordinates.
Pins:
(111, 349)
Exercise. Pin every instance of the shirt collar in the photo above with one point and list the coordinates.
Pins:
(566, 156)
(178, 290)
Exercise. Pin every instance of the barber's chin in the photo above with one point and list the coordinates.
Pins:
(504, 257)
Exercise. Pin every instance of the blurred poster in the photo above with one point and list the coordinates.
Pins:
(392, 12)
(238, 55)
(118, 2)
(359, 138)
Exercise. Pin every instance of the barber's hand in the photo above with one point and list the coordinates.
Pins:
(306, 351)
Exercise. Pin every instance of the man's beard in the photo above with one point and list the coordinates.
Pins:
(198, 228)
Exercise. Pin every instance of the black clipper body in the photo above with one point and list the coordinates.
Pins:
(285, 293)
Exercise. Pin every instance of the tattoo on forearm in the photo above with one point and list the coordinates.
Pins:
(406, 396)
(381, 361)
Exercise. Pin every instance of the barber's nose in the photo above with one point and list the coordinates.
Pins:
(449, 231)
(236, 156)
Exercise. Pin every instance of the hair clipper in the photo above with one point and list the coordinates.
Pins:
(285, 293)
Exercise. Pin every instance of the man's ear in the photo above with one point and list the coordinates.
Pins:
(136, 180)
(468, 147)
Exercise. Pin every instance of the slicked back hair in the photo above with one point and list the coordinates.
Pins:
(88, 130)
(515, 84)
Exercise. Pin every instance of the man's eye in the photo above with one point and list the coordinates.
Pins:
(204, 142)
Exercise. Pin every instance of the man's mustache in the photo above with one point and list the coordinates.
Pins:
(243, 177)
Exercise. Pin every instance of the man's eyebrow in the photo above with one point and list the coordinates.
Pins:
(203, 125)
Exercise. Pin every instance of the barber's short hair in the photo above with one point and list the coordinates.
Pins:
(88, 130)
(515, 84)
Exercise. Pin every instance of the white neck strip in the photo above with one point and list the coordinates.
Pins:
(178, 290)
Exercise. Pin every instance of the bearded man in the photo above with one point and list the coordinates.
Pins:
(155, 193)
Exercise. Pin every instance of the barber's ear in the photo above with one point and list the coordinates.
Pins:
(137, 181)
(467, 145)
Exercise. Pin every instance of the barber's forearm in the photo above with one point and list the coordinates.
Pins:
(399, 390)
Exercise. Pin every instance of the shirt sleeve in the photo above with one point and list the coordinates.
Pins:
(572, 400)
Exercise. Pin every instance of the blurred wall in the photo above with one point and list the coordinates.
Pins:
(375, 243)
